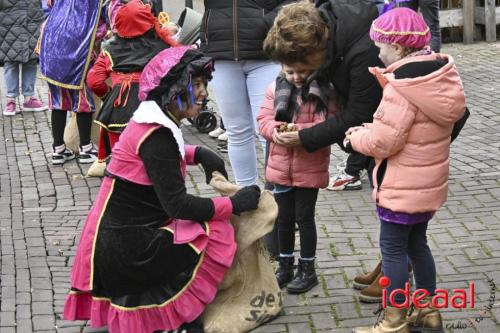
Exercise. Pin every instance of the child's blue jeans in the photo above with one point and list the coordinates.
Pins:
(398, 242)
(11, 77)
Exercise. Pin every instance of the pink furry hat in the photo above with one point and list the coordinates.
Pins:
(401, 26)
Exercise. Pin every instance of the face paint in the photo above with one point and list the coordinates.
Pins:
(179, 103)
(191, 94)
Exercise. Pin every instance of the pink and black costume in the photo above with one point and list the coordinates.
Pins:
(151, 256)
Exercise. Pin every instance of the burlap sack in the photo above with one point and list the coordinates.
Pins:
(96, 169)
(71, 137)
(249, 295)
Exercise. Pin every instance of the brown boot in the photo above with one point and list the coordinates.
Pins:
(394, 321)
(373, 293)
(426, 320)
(364, 280)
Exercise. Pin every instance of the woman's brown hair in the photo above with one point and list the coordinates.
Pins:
(298, 31)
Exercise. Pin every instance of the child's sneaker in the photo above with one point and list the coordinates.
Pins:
(216, 132)
(343, 181)
(87, 154)
(60, 156)
(34, 104)
(10, 107)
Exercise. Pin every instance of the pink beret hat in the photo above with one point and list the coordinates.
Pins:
(401, 26)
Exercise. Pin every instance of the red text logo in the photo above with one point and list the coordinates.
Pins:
(460, 298)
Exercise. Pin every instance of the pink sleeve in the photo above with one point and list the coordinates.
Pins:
(189, 151)
(265, 118)
(387, 134)
(223, 208)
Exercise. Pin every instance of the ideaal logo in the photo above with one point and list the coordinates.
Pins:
(458, 300)
(439, 301)
(261, 304)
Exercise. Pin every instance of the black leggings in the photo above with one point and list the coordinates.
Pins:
(297, 206)
(83, 121)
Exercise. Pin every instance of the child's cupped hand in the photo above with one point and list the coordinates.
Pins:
(287, 139)
(352, 130)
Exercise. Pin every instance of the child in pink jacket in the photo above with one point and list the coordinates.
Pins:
(298, 100)
(423, 97)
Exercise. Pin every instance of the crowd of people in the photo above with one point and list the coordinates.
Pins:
(291, 76)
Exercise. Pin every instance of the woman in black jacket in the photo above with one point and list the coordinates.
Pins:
(232, 32)
(343, 59)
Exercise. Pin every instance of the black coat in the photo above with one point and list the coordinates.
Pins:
(236, 29)
(20, 22)
(350, 53)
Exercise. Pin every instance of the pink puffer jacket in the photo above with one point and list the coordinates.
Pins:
(411, 129)
(294, 166)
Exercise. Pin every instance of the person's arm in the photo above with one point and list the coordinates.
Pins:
(266, 115)
(96, 78)
(363, 98)
(386, 136)
(161, 158)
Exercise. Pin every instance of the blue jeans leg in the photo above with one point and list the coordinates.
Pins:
(11, 77)
(394, 248)
(259, 75)
(29, 78)
(397, 243)
(424, 267)
(239, 88)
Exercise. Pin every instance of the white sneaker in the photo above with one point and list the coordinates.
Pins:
(216, 132)
(343, 181)
(222, 137)
(89, 156)
(62, 157)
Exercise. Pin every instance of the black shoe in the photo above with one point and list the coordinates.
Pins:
(284, 274)
(61, 158)
(305, 279)
(222, 147)
(191, 328)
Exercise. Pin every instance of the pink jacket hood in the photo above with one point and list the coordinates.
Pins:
(440, 95)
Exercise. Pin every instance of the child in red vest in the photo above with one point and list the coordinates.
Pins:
(138, 39)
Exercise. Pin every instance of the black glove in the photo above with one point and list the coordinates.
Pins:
(245, 199)
(210, 162)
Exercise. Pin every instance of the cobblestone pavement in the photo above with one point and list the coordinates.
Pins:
(43, 207)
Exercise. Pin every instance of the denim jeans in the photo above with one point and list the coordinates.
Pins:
(398, 242)
(430, 13)
(11, 76)
(239, 88)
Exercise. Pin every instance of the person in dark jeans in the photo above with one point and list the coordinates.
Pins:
(410, 139)
(349, 175)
